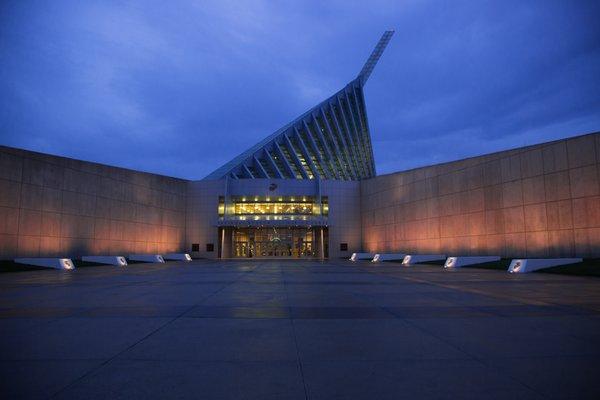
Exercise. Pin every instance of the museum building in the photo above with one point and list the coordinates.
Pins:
(310, 190)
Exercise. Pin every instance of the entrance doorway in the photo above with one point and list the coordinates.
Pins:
(275, 242)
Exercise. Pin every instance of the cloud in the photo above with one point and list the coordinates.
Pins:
(180, 88)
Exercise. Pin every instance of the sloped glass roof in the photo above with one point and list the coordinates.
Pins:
(330, 141)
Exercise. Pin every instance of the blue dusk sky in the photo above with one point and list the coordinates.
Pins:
(181, 87)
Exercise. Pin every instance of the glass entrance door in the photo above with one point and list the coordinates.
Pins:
(274, 242)
(240, 249)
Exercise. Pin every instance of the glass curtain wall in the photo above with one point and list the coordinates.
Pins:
(275, 242)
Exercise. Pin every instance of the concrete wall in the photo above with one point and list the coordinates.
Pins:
(202, 216)
(55, 206)
(344, 209)
(537, 201)
(344, 216)
(542, 200)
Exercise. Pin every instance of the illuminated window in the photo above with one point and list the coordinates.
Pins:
(263, 208)
(275, 208)
(221, 206)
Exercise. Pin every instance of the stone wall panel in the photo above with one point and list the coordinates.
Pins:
(537, 201)
(58, 207)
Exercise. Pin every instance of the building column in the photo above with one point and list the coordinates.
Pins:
(223, 242)
(230, 241)
(322, 245)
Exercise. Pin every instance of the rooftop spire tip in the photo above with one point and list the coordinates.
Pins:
(366, 70)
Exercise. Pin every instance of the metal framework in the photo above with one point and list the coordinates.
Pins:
(330, 141)
(366, 70)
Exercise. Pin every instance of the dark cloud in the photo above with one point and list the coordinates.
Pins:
(181, 87)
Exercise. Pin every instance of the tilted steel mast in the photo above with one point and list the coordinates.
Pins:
(330, 141)
(366, 70)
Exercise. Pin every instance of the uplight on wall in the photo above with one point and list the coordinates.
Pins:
(515, 267)
(450, 262)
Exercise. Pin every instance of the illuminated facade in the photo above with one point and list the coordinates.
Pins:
(309, 190)
(271, 215)
(275, 226)
(254, 218)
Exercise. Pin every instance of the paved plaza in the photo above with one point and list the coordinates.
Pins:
(297, 330)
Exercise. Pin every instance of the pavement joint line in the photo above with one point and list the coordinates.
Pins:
(480, 360)
(457, 289)
(298, 358)
(468, 290)
(475, 358)
(167, 323)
